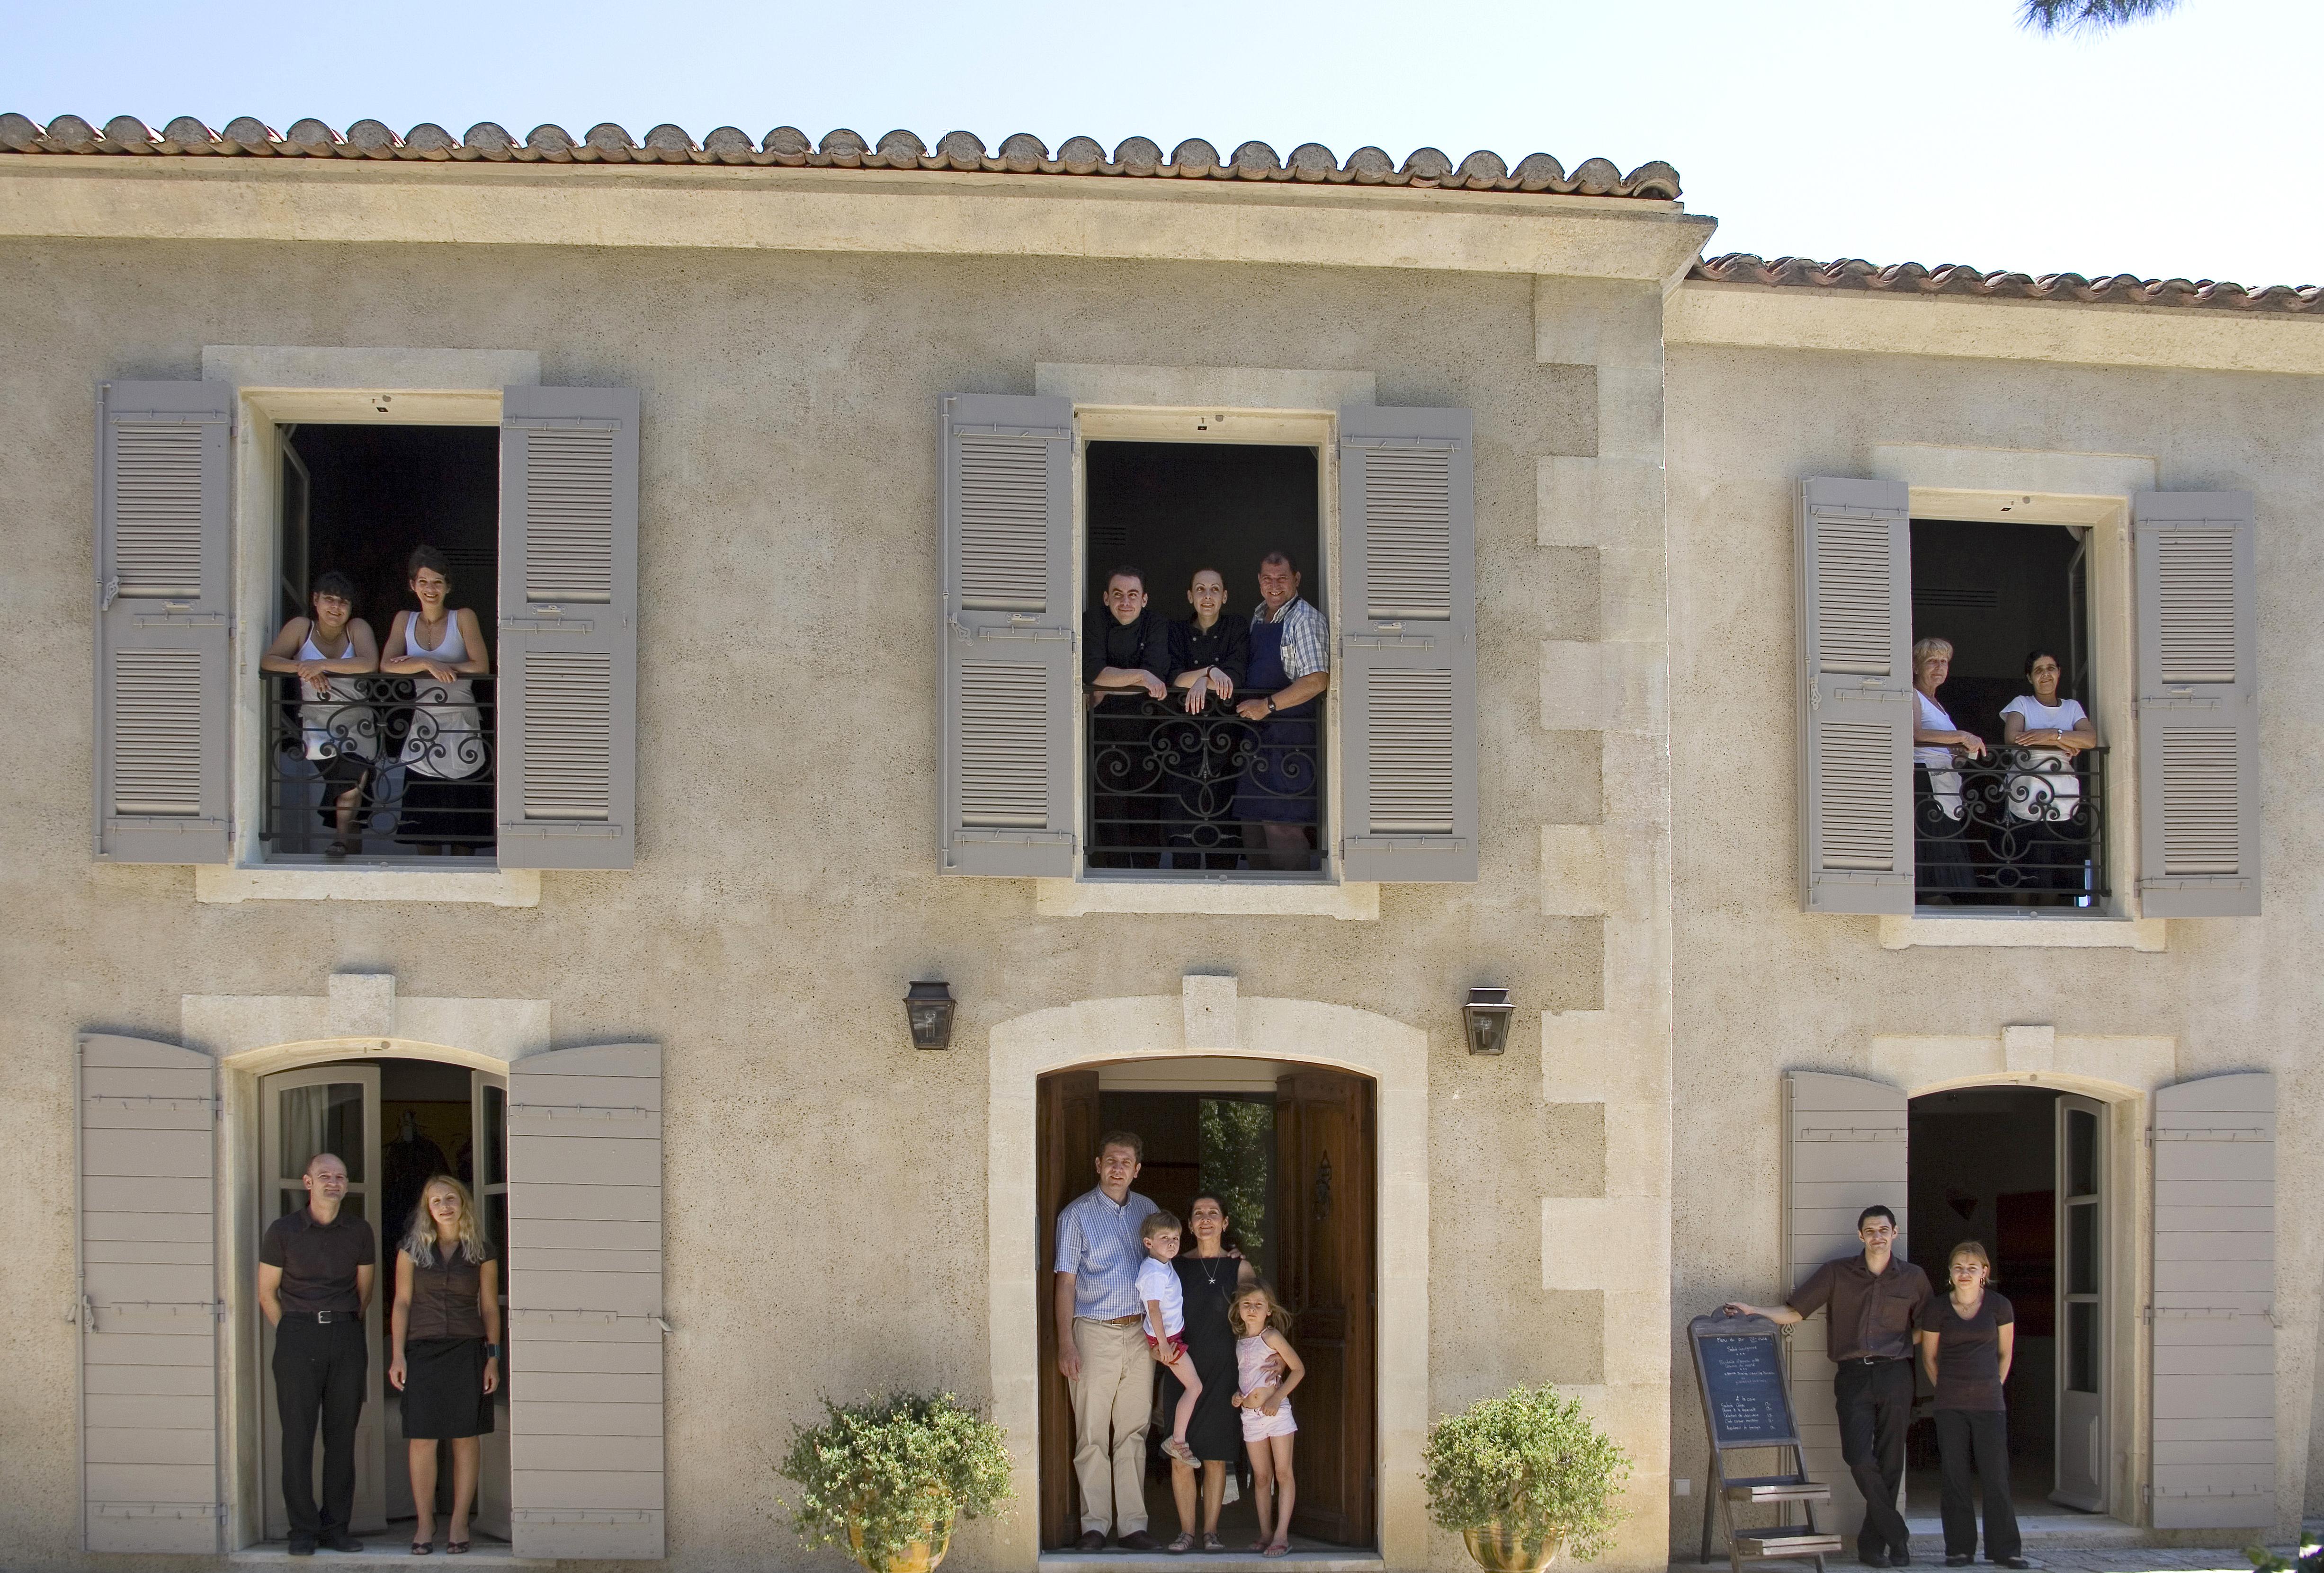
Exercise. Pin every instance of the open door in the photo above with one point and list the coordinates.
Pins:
(488, 1141)
(1327, 1211)
(1065, 1137)
(329, 1109)
(2081, 1372)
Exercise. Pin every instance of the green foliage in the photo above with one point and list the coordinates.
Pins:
(1530, 1460)
(2086, 15)
(899, 1466)
(1237, 1146)
(2309, 1561)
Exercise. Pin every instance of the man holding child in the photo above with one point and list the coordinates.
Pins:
(1101, 1347)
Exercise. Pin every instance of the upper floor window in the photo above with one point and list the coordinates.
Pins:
(476, 701)
(1932, 774)
(1338, 545)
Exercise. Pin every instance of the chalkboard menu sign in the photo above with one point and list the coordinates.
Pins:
(1743, 1392)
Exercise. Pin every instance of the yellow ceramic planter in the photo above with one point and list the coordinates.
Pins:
(920, 1557)
(1499, 1549)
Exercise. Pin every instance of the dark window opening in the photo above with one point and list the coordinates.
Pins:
(1213, 793)
(2011, 827)
(380, 766)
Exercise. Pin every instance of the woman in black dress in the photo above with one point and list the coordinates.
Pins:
(1209, 1276)
(1967, 1338)
(445, 1340)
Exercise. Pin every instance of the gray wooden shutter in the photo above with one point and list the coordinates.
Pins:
(1407, 666)
(2214, 1310)
(1856, 695)
(569, 628)
(1011, 698)
(2199, 828)
(585, 1303)
(149, 1301)
(1845, 1149)
(163, 605)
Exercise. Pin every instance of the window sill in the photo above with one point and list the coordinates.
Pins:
(1357, 901)
(497, 886)
(2059, 933)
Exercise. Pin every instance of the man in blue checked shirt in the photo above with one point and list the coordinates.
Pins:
(1101, 1345)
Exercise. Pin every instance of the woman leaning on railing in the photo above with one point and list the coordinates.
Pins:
(2045, 733)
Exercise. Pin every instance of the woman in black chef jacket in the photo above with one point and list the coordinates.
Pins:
(1967, 1337)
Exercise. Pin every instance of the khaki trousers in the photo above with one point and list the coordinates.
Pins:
(1114, 1400)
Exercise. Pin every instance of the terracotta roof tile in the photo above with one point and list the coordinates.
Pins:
(788, 147)
(1955, 279)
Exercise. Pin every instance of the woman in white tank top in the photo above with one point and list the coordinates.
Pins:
(339, 729)
(440, 647)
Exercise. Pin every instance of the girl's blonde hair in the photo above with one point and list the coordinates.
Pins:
(420, 1240)
(1277, 1317)
(1971, 1250)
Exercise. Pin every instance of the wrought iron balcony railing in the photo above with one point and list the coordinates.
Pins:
(424, 752)
(1197, 794)
(2023, 827)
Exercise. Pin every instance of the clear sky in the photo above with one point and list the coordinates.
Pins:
(1930, 132)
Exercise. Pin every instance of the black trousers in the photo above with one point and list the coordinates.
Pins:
(1876, 1404)
(319, 1380)
(1978, 1436)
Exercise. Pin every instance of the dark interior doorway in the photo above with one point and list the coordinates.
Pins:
(1303, 1156)
(358, 497)
(1997, 591)
(1984, 1165)
(1172, 508)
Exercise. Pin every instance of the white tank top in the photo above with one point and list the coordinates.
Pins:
(453, 648)
(342, 721)
(446, 739)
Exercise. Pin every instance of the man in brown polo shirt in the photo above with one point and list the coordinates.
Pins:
(315, 1271)
(1873, 1298)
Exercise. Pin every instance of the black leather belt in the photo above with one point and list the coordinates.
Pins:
(323, 1318)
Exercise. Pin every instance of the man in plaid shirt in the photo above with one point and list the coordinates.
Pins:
(1290, 669)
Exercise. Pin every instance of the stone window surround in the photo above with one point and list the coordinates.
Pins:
(2090, 490)
(1208, 1019)
(1214, 404)
(278, 383)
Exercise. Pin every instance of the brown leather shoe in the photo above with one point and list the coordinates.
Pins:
(1092, 1542)
(1140, 1541)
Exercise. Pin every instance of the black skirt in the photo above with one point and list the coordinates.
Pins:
(444, 1389)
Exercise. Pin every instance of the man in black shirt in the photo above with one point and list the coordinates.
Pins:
(1125, 657)
(315, 1271)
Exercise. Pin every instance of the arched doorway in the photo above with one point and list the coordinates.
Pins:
(1293, 1147)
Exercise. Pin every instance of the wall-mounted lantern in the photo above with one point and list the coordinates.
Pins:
(928, 1008)
(1487, 1015)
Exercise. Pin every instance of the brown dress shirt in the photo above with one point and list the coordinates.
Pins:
(448, 1297)
(318, 1260)
(1871, 1317)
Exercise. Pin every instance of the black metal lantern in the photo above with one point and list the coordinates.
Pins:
(928, 1006)
(1486, 1014)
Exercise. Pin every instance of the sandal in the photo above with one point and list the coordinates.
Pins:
(1181, 1546)
(456, 1548)
(1279, 1548)
(1211, 1542)
(423, 1548)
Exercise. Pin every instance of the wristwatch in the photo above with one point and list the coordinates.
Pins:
(1270, 704)
(492, 1351)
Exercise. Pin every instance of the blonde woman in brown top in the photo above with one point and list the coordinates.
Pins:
(445, 1335)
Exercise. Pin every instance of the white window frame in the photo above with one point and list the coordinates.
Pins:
(2089, 491)
(283, 385)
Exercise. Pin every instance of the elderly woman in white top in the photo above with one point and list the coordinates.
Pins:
(1940, 820)
(2044, 732)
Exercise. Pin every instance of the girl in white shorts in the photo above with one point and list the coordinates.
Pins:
(1261, 1323)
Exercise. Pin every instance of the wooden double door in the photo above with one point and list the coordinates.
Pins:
(1326, 1215)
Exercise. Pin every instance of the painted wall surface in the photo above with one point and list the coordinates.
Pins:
(1762, 988)
(824, 1186)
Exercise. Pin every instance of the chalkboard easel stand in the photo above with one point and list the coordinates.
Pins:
(1739, 1371)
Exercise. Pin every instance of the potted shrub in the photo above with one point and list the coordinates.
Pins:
(886, 1479)
(1524, 1477)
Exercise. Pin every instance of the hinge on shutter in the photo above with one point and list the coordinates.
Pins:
(112, 590)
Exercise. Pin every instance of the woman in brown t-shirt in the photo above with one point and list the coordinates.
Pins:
(1966, 1339)
(445, 1333)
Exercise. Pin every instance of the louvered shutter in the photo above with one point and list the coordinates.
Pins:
(2214, 1332)
(2199, 828)
(569, 628)
(585, 1303)
(162, 601)
(1845, 1150)
(149, 1301)
(1011, 694)
(1407, 661)
(1856, 695)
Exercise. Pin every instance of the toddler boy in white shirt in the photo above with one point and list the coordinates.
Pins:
(1166, 1322)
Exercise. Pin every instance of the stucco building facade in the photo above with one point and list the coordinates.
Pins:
(759, 766)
